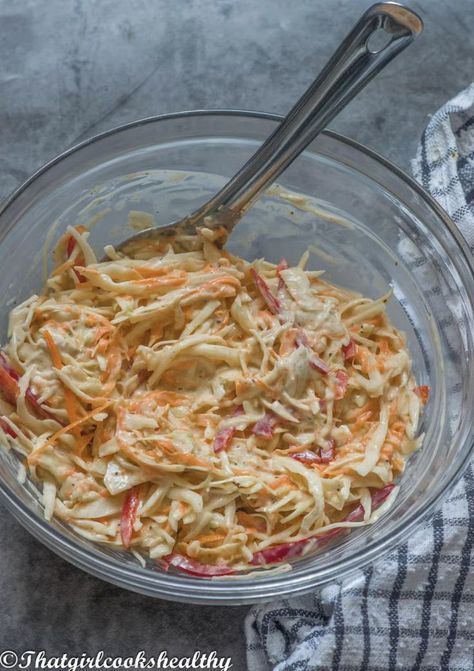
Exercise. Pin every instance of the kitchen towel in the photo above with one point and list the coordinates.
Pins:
(412, 610)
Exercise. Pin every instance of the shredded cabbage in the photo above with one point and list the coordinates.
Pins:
(180, 400)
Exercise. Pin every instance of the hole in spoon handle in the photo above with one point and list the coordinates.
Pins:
(378, 41)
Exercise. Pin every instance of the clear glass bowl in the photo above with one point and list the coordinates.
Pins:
(375, 228)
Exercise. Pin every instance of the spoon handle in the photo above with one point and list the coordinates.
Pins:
(357, 60)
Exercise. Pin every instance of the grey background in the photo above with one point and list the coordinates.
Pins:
(72, 68)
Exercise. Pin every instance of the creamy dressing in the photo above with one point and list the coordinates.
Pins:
(204, 411)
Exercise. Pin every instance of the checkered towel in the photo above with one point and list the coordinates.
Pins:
(415, 609)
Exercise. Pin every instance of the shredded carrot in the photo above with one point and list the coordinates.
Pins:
(398, 428)
(344, 470)
(371, 405)
(226, 279)
(251, 522)
(384, 346)
(159, 397)
(393, 409)
(242, 386)
(152, 272)
(266, 316)
(361, 421)
(33, 457)
(70, 403)
(206, 421)
(292, 450)
(100, 332)
(216, 291)
(53, 349)
(63, 267)
(190, 460)
(287, 342)
(69, 397)
(114, 361)
(175, 279)
(375, 321)
(95, 318)
(210, 539)
(281, 481)
(362, 358)
(274, 392)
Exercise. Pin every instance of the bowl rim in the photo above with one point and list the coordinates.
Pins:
(245, 591)
(268, 116)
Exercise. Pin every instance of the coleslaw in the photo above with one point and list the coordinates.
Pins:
(208, 413)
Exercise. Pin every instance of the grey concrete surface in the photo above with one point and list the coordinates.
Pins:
(72, 68)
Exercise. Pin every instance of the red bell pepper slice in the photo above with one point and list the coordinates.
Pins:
(38, 408)
(283, 265)
(324, 456)
(71, 244)
(143, 376)
(272, 301)
(314, 361)
(302, 339)
(349, 351)
(129, 515)
(306, 457)
(265, 427)
(163, 564)
(192, 567)
(318, 364)
(378, 497)
(224, 436)
(6, 428)
(9, 387)
(9, 368)
(279, 553)
(286, 551)
(341, 384)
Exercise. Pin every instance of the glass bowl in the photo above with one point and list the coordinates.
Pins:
(373, 227)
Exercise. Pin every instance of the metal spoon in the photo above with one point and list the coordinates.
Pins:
(357, 60)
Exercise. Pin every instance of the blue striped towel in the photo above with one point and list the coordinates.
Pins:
(415, 609)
